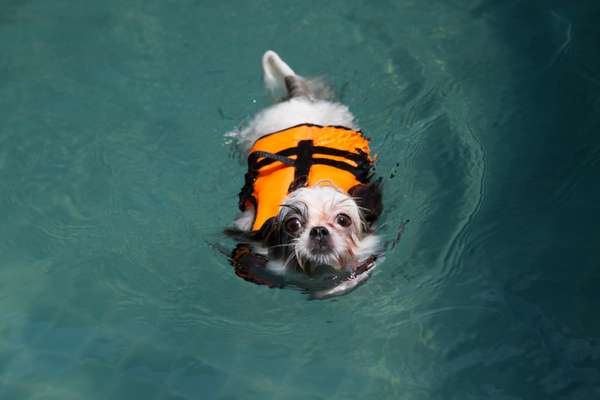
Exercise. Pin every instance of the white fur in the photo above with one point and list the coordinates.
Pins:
(245, 220)
(295, 111)
(274, 72)
(299, 110)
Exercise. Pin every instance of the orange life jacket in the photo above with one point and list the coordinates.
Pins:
(303, 155)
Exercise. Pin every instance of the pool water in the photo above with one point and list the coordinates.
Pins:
(116, 182)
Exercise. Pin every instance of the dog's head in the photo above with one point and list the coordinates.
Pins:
(320, 228)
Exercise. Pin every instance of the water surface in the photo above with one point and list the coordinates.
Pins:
(115, 179)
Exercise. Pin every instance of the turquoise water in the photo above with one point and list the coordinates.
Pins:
(116, 181)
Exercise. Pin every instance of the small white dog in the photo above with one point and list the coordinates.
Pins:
(308, 207)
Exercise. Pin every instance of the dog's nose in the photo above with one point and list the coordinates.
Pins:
(319, 232)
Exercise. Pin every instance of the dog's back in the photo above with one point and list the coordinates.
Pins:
(299, 101)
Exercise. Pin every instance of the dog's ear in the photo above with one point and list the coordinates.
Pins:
(369, 198)
(266, 234)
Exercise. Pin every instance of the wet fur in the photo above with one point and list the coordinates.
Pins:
(307, 101)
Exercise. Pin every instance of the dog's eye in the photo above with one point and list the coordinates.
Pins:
(343, 220)
(293, 226)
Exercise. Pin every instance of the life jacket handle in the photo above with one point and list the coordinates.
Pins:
(304, 152)
(361, 171)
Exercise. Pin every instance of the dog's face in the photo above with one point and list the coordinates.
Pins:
(321, 228)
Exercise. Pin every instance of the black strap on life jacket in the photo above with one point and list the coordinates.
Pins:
(304, 154)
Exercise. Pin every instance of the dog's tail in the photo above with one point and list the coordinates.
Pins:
(280, 79)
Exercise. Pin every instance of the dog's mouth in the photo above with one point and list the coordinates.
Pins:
(316, 269)
(320, 247)
(321, 261)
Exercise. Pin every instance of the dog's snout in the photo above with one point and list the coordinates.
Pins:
(319, 232)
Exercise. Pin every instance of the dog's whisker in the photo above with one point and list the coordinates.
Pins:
(298, 258)
(275, 246)
(287, 261)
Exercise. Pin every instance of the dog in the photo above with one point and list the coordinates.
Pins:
(309, 205)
